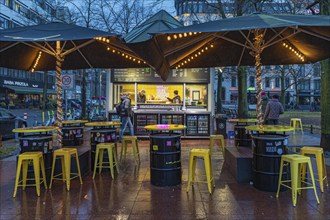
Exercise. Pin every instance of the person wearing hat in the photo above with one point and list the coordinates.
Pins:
(264, 102)
(176, 99)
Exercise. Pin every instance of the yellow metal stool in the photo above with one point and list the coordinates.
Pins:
(222, 141)
(296, 161)
(205, 154)
(320, 163)
(65, 155)
(112, 154)
(296, 124)
(135, 146)
(38, 162)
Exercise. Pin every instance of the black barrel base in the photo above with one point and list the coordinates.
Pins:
(267, 182)
(165, 177)
(243, 143)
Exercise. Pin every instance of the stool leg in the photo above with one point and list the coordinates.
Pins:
(313, 181)
(294, 182)
(95, 161)
(18, 172)
(67, 162)
(135, 155)
(190, 171)
(115, 159)
(78, 167)
(325, 178)
(111, 162)
(280, 178)
(301, 127)
(37, 175)
(207, 164)
(52, 174)
(101, 154)
(319, 166)
(63, 169)
(43, 173)
(137, 150)
(24, 172)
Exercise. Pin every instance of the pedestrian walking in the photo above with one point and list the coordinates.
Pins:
(125, 113)
(273, 110)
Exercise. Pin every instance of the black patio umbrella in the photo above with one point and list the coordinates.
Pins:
(57, 46)
(256, 39)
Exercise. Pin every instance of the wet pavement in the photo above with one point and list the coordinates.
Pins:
(131, 196)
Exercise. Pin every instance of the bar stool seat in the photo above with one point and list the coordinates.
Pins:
(65, 155)
(38, 163)
(135, 147)
(205, 154)
(222, 142)
(296, 124)
(112, 155)
(296, 162)
(320, 163)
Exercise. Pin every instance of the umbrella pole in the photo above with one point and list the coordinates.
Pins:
(59, 113)
(258, 47)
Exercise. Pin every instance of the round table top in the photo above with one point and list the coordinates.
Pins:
(243, 120)
(269, 128)
(36, 129)
(165, 127)
(103, 123)
(74, 121)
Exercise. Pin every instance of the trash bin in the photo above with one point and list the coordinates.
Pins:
(165, 159)
(221, 127)
(242, 136)
(267, 152)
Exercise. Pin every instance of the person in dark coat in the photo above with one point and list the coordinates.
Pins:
(141, 98)
(125, 114)
(273, 110)
(176, 99)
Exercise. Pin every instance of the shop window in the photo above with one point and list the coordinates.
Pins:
(277, 82)
(267, 82)
(196, 94)
(233, 81)
(317, 84)
(251, 81)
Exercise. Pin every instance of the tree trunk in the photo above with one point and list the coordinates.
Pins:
(325, 91)
(83, 96)
(242, 95)
(219, 93)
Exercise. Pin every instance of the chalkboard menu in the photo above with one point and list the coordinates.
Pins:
(147, 75)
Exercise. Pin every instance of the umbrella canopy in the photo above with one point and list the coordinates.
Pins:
(81, 48)
(256, 39)
(229, 42)
(57, 46)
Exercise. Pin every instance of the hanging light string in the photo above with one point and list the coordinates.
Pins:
(193, 56)
(181, 35)
(294, 50)
(59, 113)
(120, 53)
(36, 62)
(258, 48)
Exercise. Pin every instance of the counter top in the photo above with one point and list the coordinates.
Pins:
(103, 123)
(165, 127)
(37, 129)
(243, 120)
(269, 128)
(74, 122)
(163, 111)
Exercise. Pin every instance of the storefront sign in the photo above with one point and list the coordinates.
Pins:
(10, 81)
(147, 75)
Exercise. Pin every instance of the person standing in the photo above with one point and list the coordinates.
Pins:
(273, 110)
(264, 102)
(125, 113)
(176, 99)
(141, 98)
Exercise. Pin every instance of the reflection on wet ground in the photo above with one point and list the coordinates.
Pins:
(131, 196)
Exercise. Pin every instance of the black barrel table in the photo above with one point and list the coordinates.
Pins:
(242, 136)
(165, 154)
(73, 132)
(38, 138)
(102, 132)
(268, 145)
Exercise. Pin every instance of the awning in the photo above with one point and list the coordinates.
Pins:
(29, 90)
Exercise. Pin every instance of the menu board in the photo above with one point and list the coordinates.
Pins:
(148, 75)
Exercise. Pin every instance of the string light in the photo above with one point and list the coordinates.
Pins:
(36, 62)
(106, 40)
(190, 57)
(295, 51)
(180, 35)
